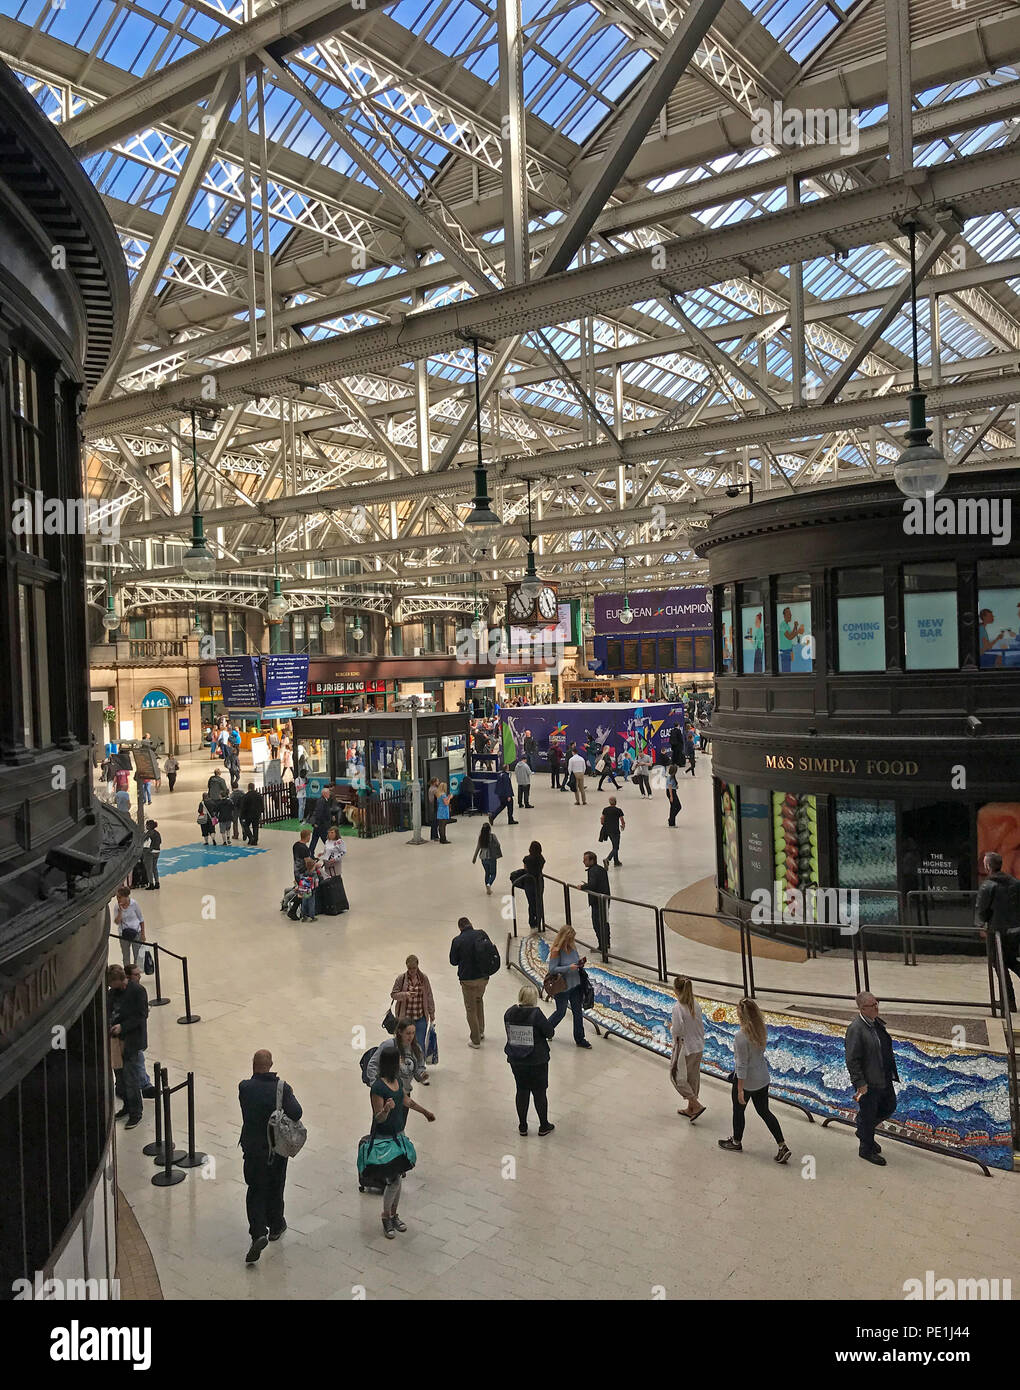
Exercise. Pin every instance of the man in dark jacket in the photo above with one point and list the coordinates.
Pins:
(237, 801)
(217, 787)
(530, 750)
(322, 817)
(464, 951)
(252, 808)
(872, 1068)
(505, 797)
(597, 882)
(265, 1173)
(998, 910)
(555, 763)
(131, 1010)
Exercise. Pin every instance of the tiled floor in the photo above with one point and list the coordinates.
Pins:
(624, 1199)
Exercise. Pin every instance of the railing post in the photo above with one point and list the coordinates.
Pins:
(513, 905)
(155, 1149)
(743, 953)
(857, 967)
(192, 1159)
(566, 904)
(170, 1175)
(187, 1016)
(155, 1003)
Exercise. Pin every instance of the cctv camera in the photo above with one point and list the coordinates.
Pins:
(733, 490)
(974, 724)
(72, 861)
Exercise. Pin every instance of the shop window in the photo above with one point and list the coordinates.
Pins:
(795, 840)
(35, 676)
(726, 657)
(752, 628)
(350, 762)
(453, 747)
(755, 840)
(999, 613)
(389, 761)
(137, 629)
(934, 860)
(795, 641)
(238, 636)
(26, 443)
(860, 618)
(929, 617)
(866, 856)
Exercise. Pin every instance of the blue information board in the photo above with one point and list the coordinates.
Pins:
(286, 680)
(241, 680)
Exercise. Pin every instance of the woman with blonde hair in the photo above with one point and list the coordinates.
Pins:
(750, 1078)
(688, 1031)
(564, 960)
(528, 1031)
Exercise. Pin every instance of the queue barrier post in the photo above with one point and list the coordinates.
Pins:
(159, 999)
(156, 1147)
(193, 1158)
(170, 1175)
(187, 1016)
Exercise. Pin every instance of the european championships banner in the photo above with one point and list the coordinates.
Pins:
(592, 726)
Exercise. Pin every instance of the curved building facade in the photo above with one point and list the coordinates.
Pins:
(63, 291)
(867, 725)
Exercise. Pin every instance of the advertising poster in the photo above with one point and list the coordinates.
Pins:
(866, 855)
(929, 622)
(795, 838)
(793, 630)
(999, 627)
(259, 751)
(752, 630)
(861, 624)
(755, 842)
(727, 639)
(664, 610)
(594, 726)
(998, 829)
(730, 844)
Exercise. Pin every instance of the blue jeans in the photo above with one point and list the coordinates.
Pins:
(489, 865)
(308, 906)
(421, 1028)
(146, 794)
(573, 997)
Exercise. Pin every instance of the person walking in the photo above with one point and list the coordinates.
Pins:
(223, 815)
(530, 749)
(330, 893)
(642, 768)
(577, 767)
(672, 795)
(597, 884)
(522, 772)
(626, 762)
(411, 1052)
(237, 803)
(322, 816)
(690, 749)
(488, 849)
(872, 1067)
(750, 1080)
(413, 1001)
(232, 762)
(604, 767)
(265, 1172)
(465, 950)
(274, 742)
(388, 1153)
(152, 843)
(131, 1013)
(216, 787)
(555, 764)
(528, 1031)
(687, 1029)
(997, 910)
(286, 759)
(127, 917)
(206, 820)
(171, 767)
(505, 797)
(613, 826)
(564, 960)
(252, 810)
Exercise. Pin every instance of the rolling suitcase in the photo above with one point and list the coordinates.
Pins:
(332, 897)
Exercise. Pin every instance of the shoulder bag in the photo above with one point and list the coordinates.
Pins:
(286, 1136)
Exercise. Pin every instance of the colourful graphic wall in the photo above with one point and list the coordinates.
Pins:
(612, 726)
(952, 1096)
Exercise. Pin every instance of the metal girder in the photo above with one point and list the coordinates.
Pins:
(699, 443)
(897, 51)
(971, 187)
(289, 25)
(514, 162)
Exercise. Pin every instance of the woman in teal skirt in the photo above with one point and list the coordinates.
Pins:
(388, 1153)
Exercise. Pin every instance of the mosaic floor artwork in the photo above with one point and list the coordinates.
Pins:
(188, 857)
(952, 1096)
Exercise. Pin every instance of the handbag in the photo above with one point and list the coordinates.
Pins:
(432, 1046)
(148, 961)
(553, 985)
(286, 1136)
(116, 1054)
(390, 1021)
(587, 989)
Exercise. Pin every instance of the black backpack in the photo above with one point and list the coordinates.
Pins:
(488, 961)
(365, 1059)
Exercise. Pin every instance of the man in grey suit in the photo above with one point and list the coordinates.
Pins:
(872, 1068)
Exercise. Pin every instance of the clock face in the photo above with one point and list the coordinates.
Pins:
(520, 607)
(547, 606)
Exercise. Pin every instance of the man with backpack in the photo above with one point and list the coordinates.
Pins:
(265, 1171)
(476, 958)
(998, 910)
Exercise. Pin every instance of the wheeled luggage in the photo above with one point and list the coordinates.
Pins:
(331, 897)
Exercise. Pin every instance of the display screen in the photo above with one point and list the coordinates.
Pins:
(999, 627)
(648, 653)
(684, 654)
(703, 652)
(861, 623)
(929, 622)
(755, 841)
(241, 680)
(631, 654)
(614, 654)
(664, 654)
(727, 640)
(286, 679)
(752, 630)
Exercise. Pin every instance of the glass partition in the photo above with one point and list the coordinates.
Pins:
(999, 613)
(390, 763)
(752, 629)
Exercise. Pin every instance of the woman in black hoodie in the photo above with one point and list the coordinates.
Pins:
(528, 1031)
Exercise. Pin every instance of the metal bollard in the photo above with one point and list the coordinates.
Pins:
(187, 1016)
(192, 1159)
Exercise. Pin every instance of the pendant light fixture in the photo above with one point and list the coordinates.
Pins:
(626, 616)
(531, 585)
(197, 630)
(357, 631)
(198, 562)
(587, 626)
(921, 469)
(327, 622)
(481, 514)
(477, 626)
(111, 619)
(276, 608)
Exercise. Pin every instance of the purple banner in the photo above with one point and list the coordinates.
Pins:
(595, 726)
(663, 610)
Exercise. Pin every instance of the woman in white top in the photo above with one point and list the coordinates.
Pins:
(750, 1080)
(688, 1031)
(332, 852)
(286, 759)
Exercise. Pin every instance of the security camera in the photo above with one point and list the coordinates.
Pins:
(733, 490)
(974, 725)
(73, 864)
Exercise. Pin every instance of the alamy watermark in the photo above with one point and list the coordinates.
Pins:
(39, 515)
(962, 1290)
(959, 516)
(781, 126)
(829, 907)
